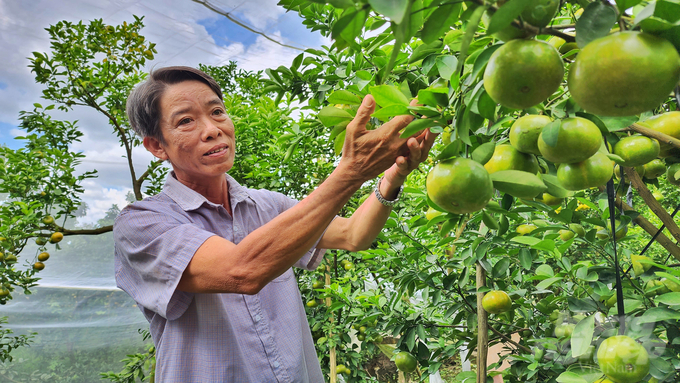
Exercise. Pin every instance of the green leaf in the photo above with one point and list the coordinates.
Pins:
(525, 258)
(470, 30)
(545, 270)
(331, 116)
(658, 314)
(596, 21)
(530, 241)
(582, 336)
(446, 65)
(451, 150)
(548, 282)
(434, 97)
(424, 50)
(506, 14)
(386, 95)
(625, 4)
(484, 152)
(390, 111)
(570, 377)
(482, 60)
(344, 97)
(616, 158)
(416, 126)
(394, 9)
(500, 268)
(671, 299)
(518, 183)
(618, 123)
(440, 21)
(554, 186)
(551, 132)
(490, 221)
(339, 142)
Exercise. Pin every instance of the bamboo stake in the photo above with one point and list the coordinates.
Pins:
(333, 362)
(482, 328)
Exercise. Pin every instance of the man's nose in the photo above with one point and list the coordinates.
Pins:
(210, 130)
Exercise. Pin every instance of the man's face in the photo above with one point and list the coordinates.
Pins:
(199, 136)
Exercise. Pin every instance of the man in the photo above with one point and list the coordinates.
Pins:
(209, 261)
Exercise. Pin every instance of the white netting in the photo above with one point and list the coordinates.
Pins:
(84, 324)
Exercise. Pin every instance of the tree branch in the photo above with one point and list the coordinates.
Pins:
(662, 138)
(482, 328)
(99, 230)
(649, 227)
(653, 204)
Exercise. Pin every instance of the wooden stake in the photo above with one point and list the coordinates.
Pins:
(333, 362)
(482, 328)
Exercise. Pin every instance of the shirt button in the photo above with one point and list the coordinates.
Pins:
(276, 364)
(257, 318)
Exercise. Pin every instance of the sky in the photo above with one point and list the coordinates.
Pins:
(186, 33)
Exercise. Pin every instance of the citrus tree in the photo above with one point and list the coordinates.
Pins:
(539, 104)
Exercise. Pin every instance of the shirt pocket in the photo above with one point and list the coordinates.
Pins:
(285, 277)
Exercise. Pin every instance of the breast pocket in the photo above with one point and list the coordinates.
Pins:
(285, 277)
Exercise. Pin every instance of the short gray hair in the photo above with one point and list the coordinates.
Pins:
(143, 105)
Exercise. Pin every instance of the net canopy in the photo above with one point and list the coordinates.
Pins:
(81, 323)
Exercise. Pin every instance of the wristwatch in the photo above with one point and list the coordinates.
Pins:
(382, 199)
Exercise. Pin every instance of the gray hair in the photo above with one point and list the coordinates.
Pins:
(143, 105)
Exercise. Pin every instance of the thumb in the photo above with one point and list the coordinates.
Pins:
(363, 114)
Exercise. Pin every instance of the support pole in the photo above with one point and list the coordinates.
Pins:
(482, 328)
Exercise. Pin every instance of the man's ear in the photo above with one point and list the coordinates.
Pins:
(155, 147)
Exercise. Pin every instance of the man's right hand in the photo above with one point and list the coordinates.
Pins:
(368, 153)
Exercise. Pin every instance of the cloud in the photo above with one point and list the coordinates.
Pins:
(100, 199)
(178, 27)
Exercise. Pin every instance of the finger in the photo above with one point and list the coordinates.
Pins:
(415, 150)
(363, 115)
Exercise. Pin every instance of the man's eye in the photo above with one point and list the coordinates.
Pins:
(218, 112)
(184, 121)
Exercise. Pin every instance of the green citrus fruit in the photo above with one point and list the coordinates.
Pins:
(459, 185)
(349, 266)
(667, 123)
(636, 150)
(654, 168)
(38, 266)
(670, 174)
(42, 257)
(587, 357)
(432, 213)
(566, 235)
(40, 241)
(10, 258)
(640, 170)
(48, 220)
(655, 287)
(671, 285)
(622, 359)
(312, 303)
(506, 157)
(624, 74)
(578, 229)
(638, 266)
(593, 172)
(3, 292)
(551, 200)
(56, 237)
(538, 13)
(577, 140)
(522, 73)
(564, 330)
(567, 47)
(526, 228)
(405, 361)
(317, 284)
(525, 130)
(496, 302)
(603, 380)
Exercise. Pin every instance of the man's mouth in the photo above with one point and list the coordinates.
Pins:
(216, 151)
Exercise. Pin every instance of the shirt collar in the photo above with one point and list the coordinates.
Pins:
(188, 199)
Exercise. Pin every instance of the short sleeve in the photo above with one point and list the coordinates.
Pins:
(152, 250)
(312, 258)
